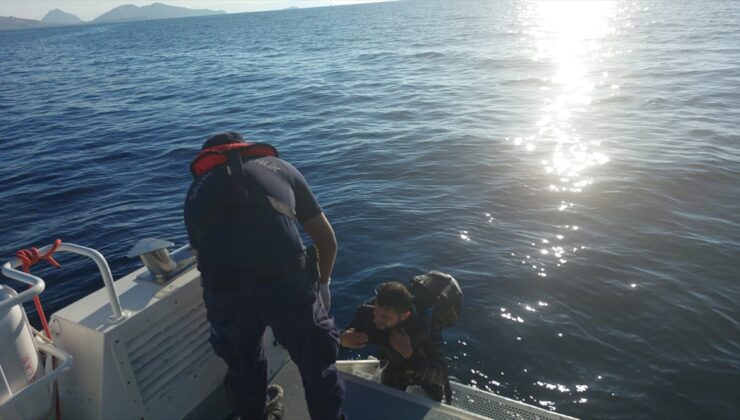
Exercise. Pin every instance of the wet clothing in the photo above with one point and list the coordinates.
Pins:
(427, 366)
(254, 274)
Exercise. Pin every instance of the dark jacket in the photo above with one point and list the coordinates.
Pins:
(426, 367)
(241, 235)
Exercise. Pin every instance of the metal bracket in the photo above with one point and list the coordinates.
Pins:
(161, 266)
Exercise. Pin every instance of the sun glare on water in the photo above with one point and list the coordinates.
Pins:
(566, 35)
(567, 40)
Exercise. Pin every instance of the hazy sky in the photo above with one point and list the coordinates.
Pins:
(90, 9)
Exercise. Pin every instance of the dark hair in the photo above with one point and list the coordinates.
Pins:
(227, 137)
(394, 295)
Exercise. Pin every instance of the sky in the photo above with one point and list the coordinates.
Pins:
(90, 9)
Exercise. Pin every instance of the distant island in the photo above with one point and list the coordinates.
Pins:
(60, 17)
(9, 23)
(129, 12)
(125, 13)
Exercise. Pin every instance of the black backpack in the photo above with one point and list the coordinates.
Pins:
(437, 296)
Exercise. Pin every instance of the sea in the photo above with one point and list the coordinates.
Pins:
(574, 165)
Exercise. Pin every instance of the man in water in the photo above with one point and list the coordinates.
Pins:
(408, 345)
(241, 212)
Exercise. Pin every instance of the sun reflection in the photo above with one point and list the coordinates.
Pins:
(568, 41)
(464, 235)
(566, 34)
(568, 37)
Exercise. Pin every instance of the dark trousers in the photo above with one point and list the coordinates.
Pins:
(240, 304)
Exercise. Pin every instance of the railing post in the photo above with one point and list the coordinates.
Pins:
(38, 285)
(115, 304)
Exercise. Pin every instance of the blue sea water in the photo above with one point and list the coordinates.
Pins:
(575, 165)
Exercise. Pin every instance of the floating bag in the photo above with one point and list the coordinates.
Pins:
(439, 293)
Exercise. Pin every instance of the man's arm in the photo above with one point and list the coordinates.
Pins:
(314, 222)
(322, 234)
(188, 218)
(355, 335)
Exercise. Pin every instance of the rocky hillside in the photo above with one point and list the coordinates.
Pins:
(7, 23)
(60, 17)
(130, 12)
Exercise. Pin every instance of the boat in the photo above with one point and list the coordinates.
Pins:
(138, 348)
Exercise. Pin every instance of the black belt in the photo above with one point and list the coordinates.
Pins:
(280, 270)
(265, 272)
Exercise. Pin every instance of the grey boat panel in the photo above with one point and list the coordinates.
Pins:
(371, 400)
(368, 400)
(364, 400)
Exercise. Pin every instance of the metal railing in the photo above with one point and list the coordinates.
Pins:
(37, 284)
(67, 361)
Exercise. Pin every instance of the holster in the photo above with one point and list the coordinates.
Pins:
(312, 261)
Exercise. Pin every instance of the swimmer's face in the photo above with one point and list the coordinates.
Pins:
(387, 318)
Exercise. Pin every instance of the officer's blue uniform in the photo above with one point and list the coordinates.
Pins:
(253, 265)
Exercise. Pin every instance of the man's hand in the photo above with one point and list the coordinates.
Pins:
(353, 339)
(322, 235)
(401, 342)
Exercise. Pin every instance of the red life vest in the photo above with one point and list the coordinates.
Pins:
(217, 155)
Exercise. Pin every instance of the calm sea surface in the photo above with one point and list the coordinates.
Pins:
(576, 166)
